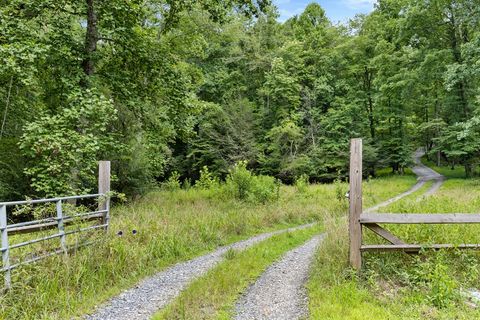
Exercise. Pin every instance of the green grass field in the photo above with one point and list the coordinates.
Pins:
(396, 285)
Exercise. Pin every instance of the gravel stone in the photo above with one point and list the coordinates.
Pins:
(154, 293)
(280, 292)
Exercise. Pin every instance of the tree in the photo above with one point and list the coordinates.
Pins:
(63, 149)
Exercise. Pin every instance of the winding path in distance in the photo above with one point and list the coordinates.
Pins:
(280, 293)
(424, 174)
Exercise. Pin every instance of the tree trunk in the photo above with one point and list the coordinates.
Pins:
(468, 170)
(91, 39)
(455, 43)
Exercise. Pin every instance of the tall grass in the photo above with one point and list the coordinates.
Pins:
(171, 226)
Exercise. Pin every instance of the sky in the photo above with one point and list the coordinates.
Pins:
(337, 10)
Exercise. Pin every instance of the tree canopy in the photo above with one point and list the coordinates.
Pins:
(162, 86)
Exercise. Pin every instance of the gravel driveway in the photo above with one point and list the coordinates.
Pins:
(279, 293)
(154, 293)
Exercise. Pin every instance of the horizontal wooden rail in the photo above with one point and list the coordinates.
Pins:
(416, 247)
(419, 218)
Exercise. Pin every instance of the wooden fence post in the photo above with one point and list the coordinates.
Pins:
(5, 247)
(355, 228)
(104, 188)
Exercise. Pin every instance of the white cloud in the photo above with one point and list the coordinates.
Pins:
(287, 14)
(282, 2)
(359, 4)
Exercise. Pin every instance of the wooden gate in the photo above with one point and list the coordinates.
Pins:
(359, 219)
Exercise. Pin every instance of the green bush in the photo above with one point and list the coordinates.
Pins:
(243, 185)
(301, 183)
(207, 179)
(434, 276)
(264, 189)
(173, 182)
(239, 181)
(187, 184)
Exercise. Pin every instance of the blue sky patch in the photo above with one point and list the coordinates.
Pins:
(337, 10)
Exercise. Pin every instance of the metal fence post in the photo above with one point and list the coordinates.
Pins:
(5, 246)
(104, 188)
(61, 227)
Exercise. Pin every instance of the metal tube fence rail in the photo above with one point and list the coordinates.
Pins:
(60, 221)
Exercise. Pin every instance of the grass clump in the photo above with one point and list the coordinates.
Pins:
(229, 279)
(173, 182)
(302, 183)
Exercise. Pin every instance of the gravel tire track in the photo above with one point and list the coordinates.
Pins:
(154, 293)
(280, 292)
(424, 174)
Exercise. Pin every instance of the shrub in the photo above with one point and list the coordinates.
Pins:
(243, 185)
(187, 184)
(207, 179)
(239, 180)
(442, 287)
(433, 274)
(301, 183)
(264, 189)
(173, 182)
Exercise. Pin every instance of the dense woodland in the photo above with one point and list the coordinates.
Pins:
(165, 86)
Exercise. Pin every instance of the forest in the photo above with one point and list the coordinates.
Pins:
(165, 88)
